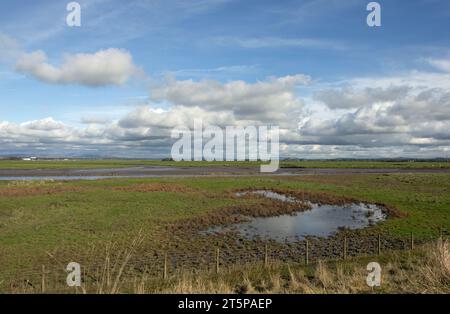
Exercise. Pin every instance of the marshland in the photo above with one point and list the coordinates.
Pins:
(153, 234)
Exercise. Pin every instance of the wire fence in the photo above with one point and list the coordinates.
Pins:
(162, 264)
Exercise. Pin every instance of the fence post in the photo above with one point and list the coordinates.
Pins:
(165, 266)
(412, 241)
(217, 260)
(379, 244)
(266, 257)
(43, 279)
(307, 252)
(344, 248)
(441, 234)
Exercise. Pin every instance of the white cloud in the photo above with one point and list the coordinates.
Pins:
(440, 64)
(47, 124)
(176, 116)
(105, 67)
(383, 119)
(410, 112)
(348, 97)
(273, 100)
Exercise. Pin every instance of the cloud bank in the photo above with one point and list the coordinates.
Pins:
(105, 67)
(405, 115)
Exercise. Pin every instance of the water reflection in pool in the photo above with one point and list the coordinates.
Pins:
(320, 221)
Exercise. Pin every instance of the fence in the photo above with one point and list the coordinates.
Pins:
(168, 263)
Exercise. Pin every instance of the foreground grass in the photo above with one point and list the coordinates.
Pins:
(427, 270)
(65, 219)
(122, 163)
(424, 270)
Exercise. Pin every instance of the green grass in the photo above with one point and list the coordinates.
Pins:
(119, 163)
(86, 213)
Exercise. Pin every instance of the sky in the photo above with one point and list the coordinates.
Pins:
(134, 70)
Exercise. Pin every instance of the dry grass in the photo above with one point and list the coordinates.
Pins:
(30, 183)
(434, 275)
(425, 270)
(258, 207)
(190, 284)
(154, 187)
(33, 188)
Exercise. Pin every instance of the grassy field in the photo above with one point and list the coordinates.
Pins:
(53, 223)
(121, 163)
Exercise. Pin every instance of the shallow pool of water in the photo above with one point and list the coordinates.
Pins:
(320, 221)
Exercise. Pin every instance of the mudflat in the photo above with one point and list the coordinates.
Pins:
(172, 171)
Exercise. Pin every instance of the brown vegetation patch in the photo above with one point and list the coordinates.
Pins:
(324, 198)
(37, 190)
(303, 195)
(238, 213)
(154, 187)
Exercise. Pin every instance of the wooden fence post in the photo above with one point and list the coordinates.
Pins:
(217, 260)
(43, 279)
(165, 267)
(379, 244)
(266, 255)
(412, 241)
(307, 252)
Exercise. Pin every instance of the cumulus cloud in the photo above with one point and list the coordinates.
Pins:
(350, 98)
(47, 124)
(174, 117)
(146, 129)
(105, 67)
(410, 114)
(273, 100)
(403, 116)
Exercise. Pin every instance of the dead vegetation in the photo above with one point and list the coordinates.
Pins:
(323, 198)
(260, 207)
(426, 272)
(154, 187)
(37, 190)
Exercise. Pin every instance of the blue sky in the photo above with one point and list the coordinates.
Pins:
(226, 41)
